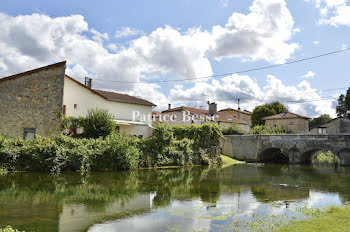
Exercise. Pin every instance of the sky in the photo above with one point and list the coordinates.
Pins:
(151, 48)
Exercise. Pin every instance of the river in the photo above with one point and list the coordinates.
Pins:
(241, 197)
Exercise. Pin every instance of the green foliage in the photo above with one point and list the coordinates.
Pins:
(343, 108)
(98, 123)
(196, 144)
(319, 120)
(265, 110)
(72, 123)
(121, 153)
(325, 158)
(268, 130)
(169, 146)
(9, 229)
(234, 129)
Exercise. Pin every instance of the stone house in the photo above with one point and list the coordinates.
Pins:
(243, 115)
(32, 103)
(335, 126)
(184, 115)
(296, 123)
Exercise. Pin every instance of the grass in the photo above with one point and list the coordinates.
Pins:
(8, 229)
(332, 219)
(227, 161)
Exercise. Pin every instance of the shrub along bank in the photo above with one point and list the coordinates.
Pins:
(169, 145)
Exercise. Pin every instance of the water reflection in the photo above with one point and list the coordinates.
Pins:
(159, 200)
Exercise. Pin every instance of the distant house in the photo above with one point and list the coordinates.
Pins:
(335, 126)
(200, 116)
(32, 103)
(296, 123)
(243, 115)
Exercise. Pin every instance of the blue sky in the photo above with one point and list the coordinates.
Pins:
(142, 41)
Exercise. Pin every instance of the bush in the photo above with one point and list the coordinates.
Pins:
(268, 130)
(179, 145)
(169, 145)
(98, 123)
(234, 129)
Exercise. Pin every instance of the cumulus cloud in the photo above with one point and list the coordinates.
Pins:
(316, 42)
(127, 31)
(333, 12)
(261, 34)
(300, 99)
(31, 41)
(309, 74)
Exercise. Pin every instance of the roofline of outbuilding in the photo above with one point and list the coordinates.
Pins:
(33, 71)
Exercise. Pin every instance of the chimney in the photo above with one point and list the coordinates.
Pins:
(213, 108)
(239, 107)
(88, 82)
(169, 106)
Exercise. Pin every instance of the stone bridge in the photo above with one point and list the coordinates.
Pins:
(299, 148)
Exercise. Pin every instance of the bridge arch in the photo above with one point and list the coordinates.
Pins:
(306, 156)
(273, 155)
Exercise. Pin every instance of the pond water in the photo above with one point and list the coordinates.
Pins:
(235, 198)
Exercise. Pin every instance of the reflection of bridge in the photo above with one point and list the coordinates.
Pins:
(299, 148)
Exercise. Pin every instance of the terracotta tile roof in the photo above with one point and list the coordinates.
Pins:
(119, 97)
(33, 71)
(113, 96)
(223, 117)
(242, 111)
(286, 115)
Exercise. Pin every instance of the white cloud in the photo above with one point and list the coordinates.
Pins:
(99, 37)
(31, 41)
(127, 31)
(316, 42)
(309, 74)
(224, 3)
(333, 12)
(261, 34)
(344, 46)
(113, 47)
(300, 99)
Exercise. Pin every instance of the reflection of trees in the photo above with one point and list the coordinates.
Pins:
(24, 196)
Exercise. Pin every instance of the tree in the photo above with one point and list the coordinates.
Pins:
(319, 120)
(98, 123)
(343, 108)
(265, 110)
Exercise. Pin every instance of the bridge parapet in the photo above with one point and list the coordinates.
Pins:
(299, 148)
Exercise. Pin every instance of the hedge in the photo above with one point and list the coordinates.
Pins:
(169, 145)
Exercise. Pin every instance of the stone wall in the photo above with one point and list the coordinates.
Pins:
(296, 125)
(299, 148)
(32, 99)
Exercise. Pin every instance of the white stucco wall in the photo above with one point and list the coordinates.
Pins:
(86, 99)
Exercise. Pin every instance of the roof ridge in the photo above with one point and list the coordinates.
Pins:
(32, 71)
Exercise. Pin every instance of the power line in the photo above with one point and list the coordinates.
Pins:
(230, 73)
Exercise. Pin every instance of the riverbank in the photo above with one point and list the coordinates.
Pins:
(169, 146)
(331, 219)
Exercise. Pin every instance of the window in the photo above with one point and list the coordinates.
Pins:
(291, 123)
(29, 133)
(75, 106)
(117, 129)
(322, 130)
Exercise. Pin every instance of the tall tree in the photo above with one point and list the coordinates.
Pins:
(319, 120)
(343, 108)
(265, 110)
